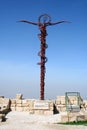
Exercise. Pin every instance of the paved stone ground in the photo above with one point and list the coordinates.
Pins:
(24, 121)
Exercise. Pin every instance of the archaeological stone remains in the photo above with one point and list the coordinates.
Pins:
(77, 107)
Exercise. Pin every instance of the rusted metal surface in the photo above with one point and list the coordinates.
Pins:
(43, 21)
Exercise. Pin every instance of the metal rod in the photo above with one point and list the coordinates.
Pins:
(43, 21)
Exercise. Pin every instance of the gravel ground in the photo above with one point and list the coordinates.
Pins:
(25, 121)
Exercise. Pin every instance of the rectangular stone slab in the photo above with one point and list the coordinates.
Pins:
(41, 105)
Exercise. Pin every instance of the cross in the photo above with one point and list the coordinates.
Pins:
(43, 21)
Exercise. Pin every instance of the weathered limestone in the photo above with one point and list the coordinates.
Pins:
(61, 108)
(61, 102)
(16, 104)
(13, 104)
(32, 106)
(4, 105)
(85, 105)
(41, 106)
(70, 117)
(21, 104)
(45, 107)
(19, 96)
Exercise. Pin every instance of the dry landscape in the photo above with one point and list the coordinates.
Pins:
(28, 114)
(26, 121)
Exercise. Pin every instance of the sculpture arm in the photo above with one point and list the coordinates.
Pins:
(58, 22)
(25, 21)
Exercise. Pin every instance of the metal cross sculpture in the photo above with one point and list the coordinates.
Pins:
(43, 21)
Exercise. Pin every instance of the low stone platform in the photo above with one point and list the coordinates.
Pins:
(70, 117)
(33, 106)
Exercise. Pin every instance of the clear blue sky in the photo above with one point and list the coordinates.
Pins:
(66, 69)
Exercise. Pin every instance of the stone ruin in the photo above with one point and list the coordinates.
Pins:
(75, 110)
(4, 107)
(45, 107)
(33, 106)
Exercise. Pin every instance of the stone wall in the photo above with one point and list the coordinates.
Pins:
(33, 106)
(41, 106)
(61, 103)
(22, 104)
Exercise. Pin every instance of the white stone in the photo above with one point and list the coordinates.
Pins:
(41, 105)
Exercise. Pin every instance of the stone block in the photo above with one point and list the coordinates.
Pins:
(25, 108)
(30, 104)
(25, 103)
(18, 101)
(4, 105)
(51, 103)
(80, 118)
(72, 117)
(58, 102)
(39, 112)
(85, 116)
(48, 112)
(18, 105)
(19, 109)
(41, 105)
(4, 101)
(63, 102)
(13, 105)
(13, 101)
(60, 99)
(61, 108)
(19, 96)
(13, 108)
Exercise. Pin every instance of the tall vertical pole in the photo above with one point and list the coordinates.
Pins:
(43, 58)
(43, 21)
